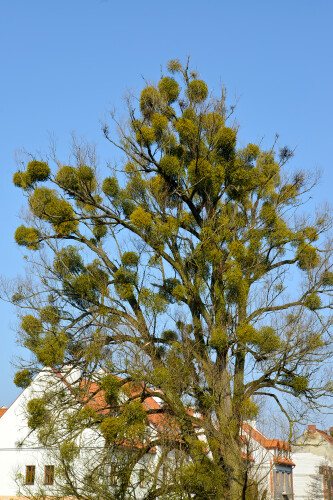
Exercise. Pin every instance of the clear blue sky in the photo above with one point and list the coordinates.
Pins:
(65, 63)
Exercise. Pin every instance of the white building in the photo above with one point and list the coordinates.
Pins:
(27, 468)
(27, 463)
(272, 464)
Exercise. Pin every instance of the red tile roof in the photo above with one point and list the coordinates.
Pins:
(284, 461)
(2, 411)
(269, 444)
(162, 422)
(165, 423)
(325, 436)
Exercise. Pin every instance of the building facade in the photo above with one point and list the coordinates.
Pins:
(26, 468)
(313, 456)
(273, 466)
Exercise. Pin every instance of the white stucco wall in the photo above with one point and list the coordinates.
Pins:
(14, 458)
(13, 430)
(306, 476)
(262, 467)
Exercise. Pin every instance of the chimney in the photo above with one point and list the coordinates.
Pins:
(311, 428)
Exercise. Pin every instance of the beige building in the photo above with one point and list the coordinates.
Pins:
(313, 457)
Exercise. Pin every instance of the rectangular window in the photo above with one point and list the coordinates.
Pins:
(30, 474)
(142, 477)
(289, 479)
(113, 476)
(277, 478)
(284, 480)
(49, 474)
(327, 473)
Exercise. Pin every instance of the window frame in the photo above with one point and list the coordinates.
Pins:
(49, 475)
(327, 474)
(142, 478)
(113, 476)
(30, 472)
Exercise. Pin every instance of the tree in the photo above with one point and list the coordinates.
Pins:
(321, 482)
(191, 272)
